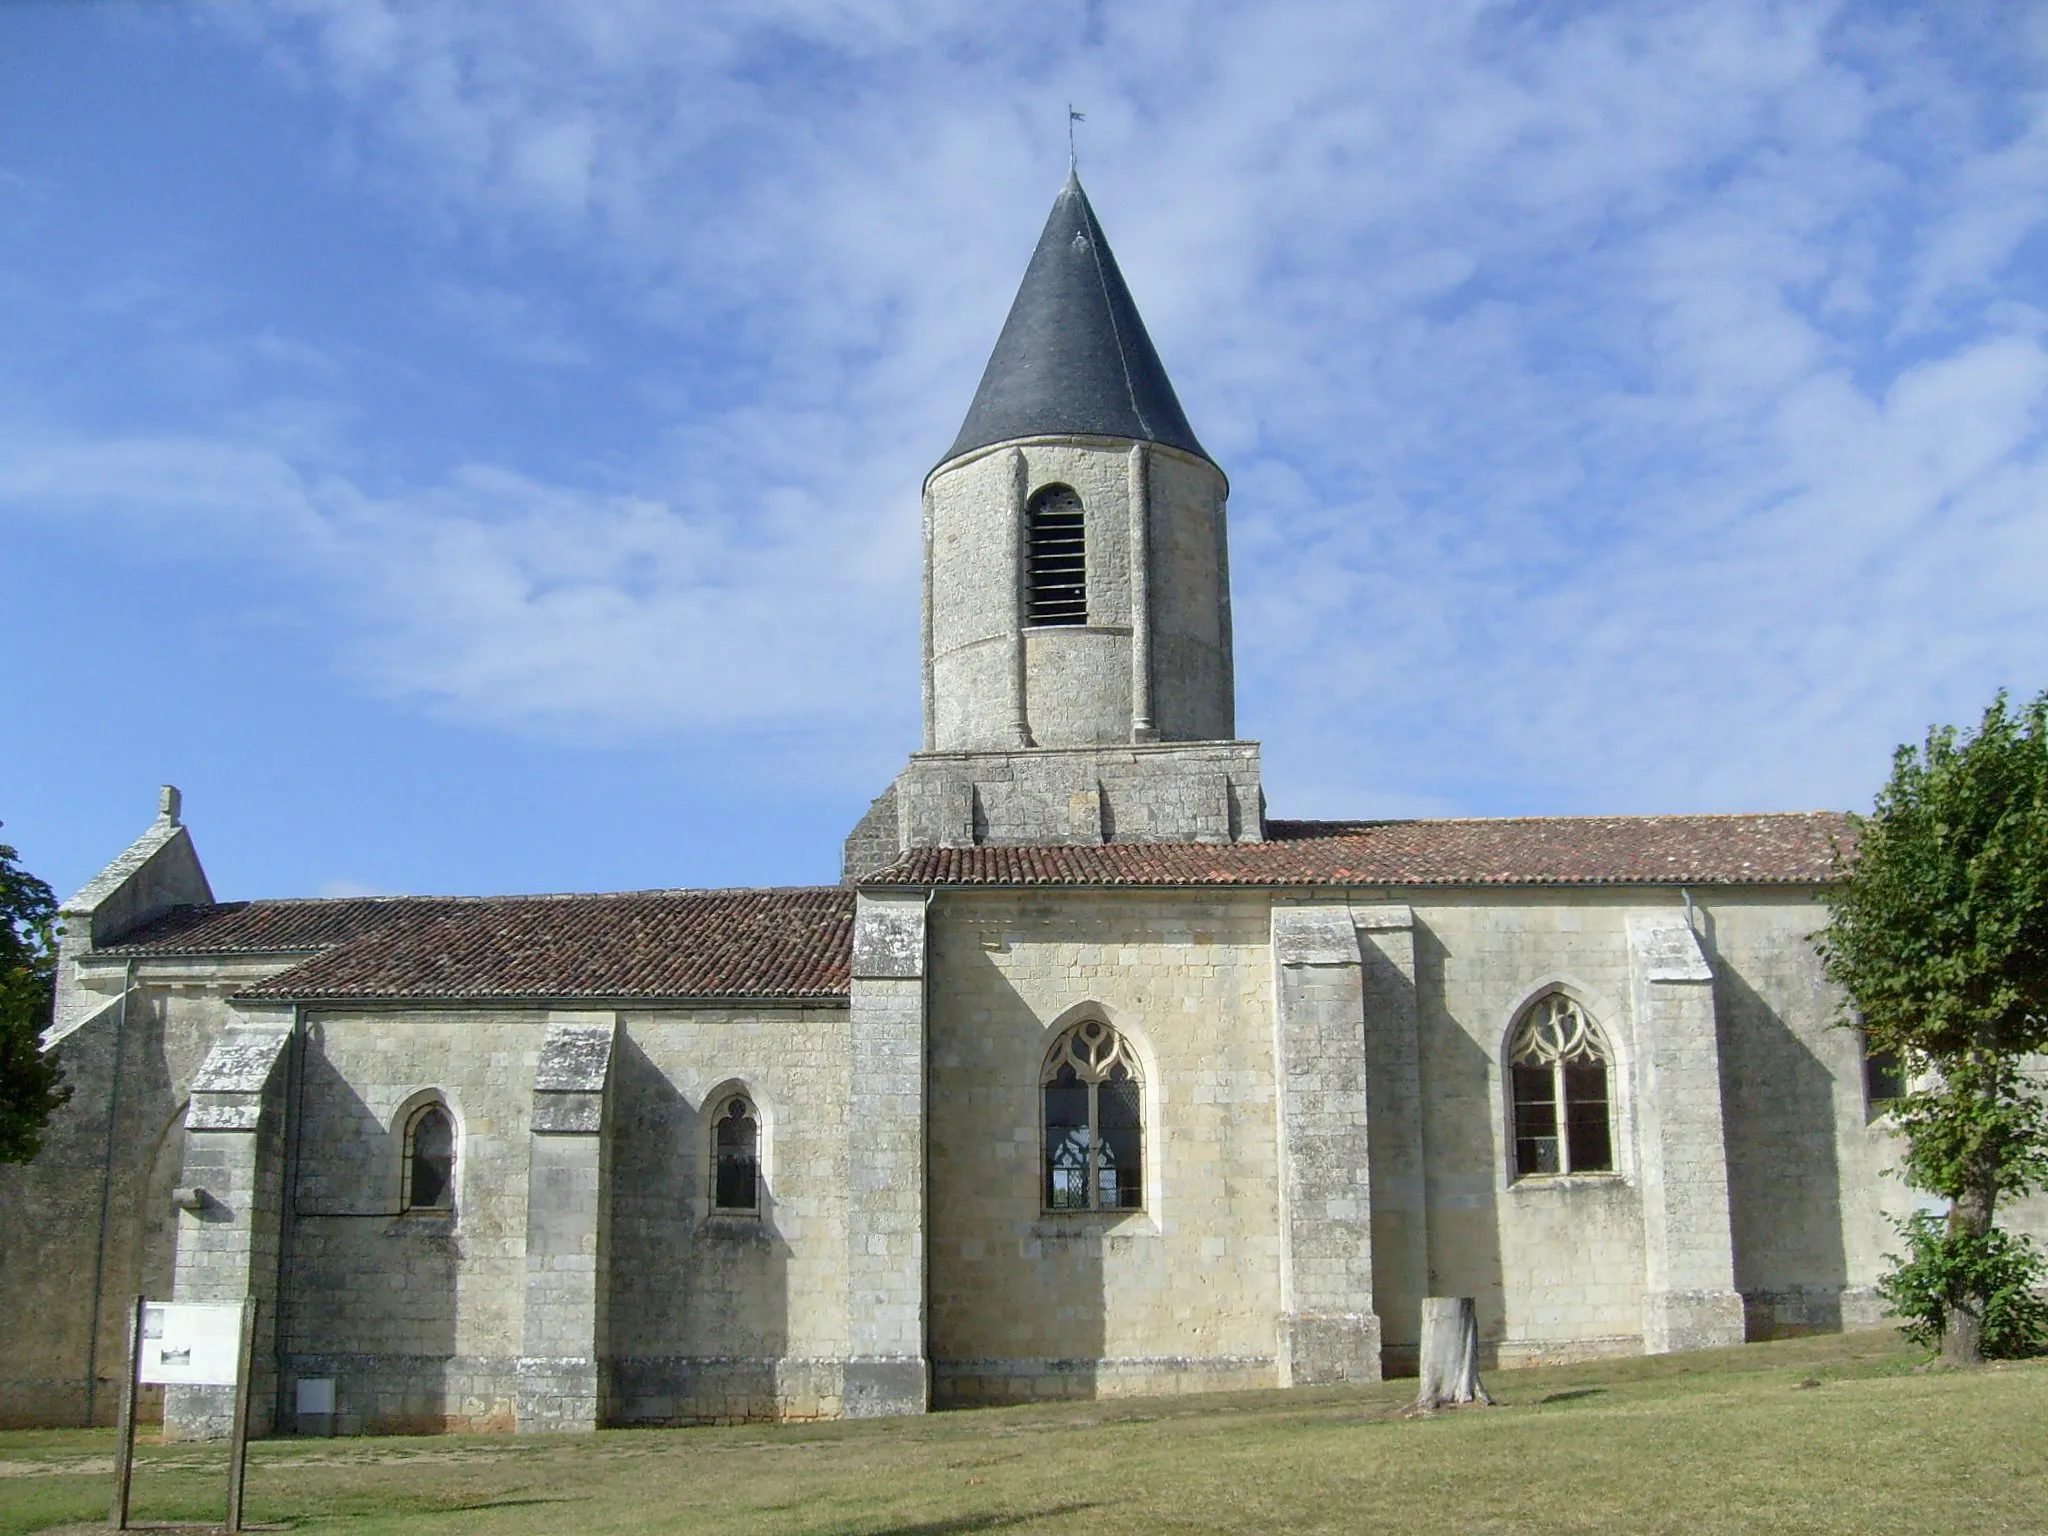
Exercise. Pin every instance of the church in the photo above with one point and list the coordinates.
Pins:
(1092, 1077)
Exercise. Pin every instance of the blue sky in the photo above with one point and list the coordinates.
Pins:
(476, 447)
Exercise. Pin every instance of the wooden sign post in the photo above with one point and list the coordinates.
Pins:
(124, 1454)
(238, 1456)
(184, 1344)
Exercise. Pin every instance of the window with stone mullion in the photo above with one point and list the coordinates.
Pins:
(736, 1157)
(1093, 1105)
(1559, 1085)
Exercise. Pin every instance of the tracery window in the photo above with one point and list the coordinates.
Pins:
(1056, 551)
(1094, 1122)
(736, 1156)
(1559, 1067)
(430, 1160)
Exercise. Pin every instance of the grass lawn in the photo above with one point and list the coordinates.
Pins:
(1835, 1434)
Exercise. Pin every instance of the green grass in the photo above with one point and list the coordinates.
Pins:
(1811, 1435)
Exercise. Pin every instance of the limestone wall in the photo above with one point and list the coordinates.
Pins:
(1559, 1265)
(1747, 1194)
(728, 1317)
(992, 681)
(1731, 1175)
(1193, 684)
(1182, 1295)
(420, 1316)
(416, 1315)
(1205, 792)
(90, 1220)
(1806, 1150)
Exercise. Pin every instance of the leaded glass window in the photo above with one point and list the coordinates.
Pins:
(1094, 1122)
(736, 1157)
(1558, 1065)
(430, 1161)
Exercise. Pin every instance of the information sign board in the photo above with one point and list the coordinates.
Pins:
(190, 1344)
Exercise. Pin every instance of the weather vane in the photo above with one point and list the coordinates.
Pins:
(1073, 117)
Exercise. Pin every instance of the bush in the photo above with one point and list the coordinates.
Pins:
(1944, 1269)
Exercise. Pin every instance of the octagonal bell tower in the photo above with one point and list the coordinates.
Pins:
(1078, 681)
(1077, 585)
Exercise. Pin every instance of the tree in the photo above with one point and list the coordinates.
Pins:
(1938, 934)
(30, 1082)
(1450, 1355)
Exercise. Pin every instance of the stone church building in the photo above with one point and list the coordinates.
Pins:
(1091, 1078)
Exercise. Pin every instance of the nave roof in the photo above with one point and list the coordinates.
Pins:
(762, 944)
(1784, 848)
(796, 943)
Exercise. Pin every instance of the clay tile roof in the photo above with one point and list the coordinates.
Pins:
(268, 927)
(792, 943)
(1781, 849)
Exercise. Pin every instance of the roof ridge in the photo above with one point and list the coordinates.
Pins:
(395, 899)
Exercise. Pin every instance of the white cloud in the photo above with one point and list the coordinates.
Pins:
(511, 325)
(494, 598)
(332, 889)
(1627, 407)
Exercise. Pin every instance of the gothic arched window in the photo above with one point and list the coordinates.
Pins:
(1559, 1067)
(736, 1156)
(1056, 557)
(430, 1160)
(1094, 1122)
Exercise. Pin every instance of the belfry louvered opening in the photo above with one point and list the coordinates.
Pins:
(1057, 587)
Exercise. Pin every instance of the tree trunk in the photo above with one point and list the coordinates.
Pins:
(1450, 1353)
(1962, 1325)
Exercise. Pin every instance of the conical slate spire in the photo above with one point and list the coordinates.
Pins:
(1073, 357)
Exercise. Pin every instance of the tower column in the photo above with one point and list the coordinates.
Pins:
(1689, 1295)
(568, 1199)
(1328, 1331)
(231, 1208)
(931, 724)
(1020, 491)
(1143, 727)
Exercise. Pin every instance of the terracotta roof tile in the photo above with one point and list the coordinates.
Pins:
(792, 943)
(1780, 849)
(270, 927)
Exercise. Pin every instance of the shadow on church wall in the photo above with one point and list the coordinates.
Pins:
(1784, 1179)
(371, 1293)
(698, 1303)
(1461, 1156)
(1018, 1297)
(118, 1140)
(155, 1241)
(1394, 1133)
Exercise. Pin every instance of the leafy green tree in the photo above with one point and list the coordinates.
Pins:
(30, 1082)
(1938, 933)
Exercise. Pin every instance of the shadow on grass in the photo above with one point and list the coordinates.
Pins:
(466, 1506)
(1571, 1396)
(993, 1521)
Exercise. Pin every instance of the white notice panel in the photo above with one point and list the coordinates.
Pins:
(191, 1344)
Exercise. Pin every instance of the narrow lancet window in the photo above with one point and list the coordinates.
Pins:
(1094, 1123)
(430, 1161)
(1559, 1068)
(736, 1157)
(1057, 557)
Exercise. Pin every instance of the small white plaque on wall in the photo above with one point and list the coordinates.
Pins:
(190, 1344)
